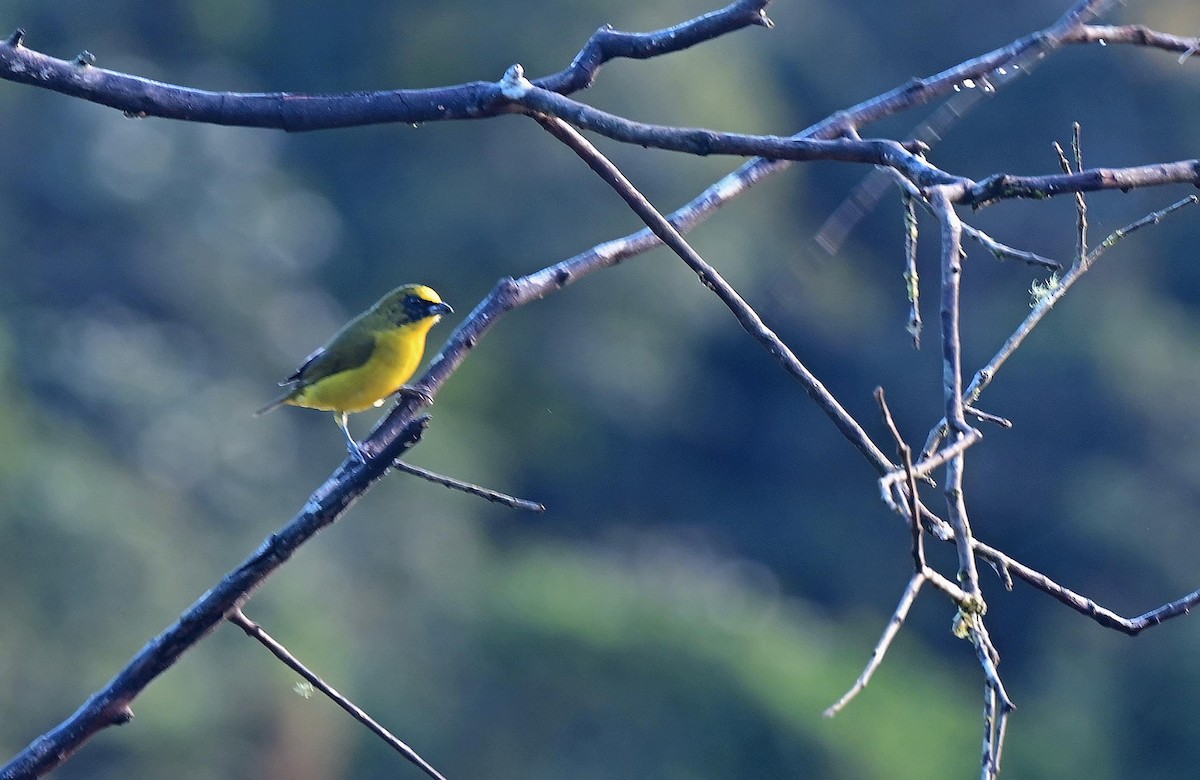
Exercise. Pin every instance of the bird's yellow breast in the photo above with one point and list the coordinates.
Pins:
(394, 359)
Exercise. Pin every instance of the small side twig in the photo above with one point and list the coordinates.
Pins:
(987, 416)
(1005, 252)
(467, 487)
(881, 647)
(968, 603)
(256, 632)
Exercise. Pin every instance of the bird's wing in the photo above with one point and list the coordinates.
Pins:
(347, 350)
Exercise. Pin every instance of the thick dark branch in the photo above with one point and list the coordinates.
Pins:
(299, 112)
(110, 705)
(140, 97)
(702, 141)
(296, 112)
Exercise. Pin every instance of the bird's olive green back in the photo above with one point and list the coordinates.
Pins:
(349, 349)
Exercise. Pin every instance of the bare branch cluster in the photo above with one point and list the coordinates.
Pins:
(837, 138)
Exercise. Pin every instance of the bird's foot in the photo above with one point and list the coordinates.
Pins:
(420, 392)
(356, 452)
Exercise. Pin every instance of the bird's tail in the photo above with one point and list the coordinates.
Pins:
(278, 402)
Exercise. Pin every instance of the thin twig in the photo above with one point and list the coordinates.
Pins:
(942, 583)
(987, 416)
(1005, 252)
(881, 647)
(914, 512)
(256, 632)
(467, 487)
(995, 725)
(1080, 203)
(1001, 733)
(988, 767)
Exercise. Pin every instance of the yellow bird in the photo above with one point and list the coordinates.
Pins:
(368, 360)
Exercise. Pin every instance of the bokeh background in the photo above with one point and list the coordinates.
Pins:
(715, 566)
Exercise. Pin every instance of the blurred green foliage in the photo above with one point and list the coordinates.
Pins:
(715, 565)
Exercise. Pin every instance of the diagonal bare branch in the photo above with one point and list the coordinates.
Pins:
(110, 705)
(749, 319)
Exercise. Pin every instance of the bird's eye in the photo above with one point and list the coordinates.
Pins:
(411, 301)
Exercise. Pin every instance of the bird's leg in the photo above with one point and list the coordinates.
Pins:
(420, 392)
(343, 421)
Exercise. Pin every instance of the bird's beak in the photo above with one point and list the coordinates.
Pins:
(440, 308)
